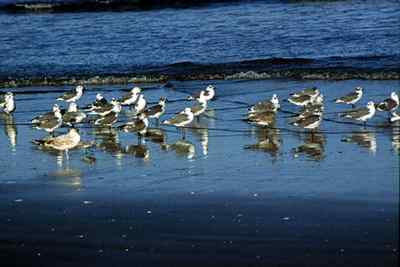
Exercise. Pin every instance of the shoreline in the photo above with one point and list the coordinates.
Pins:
(204, 75)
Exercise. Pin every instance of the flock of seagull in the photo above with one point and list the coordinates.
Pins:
(263, 113)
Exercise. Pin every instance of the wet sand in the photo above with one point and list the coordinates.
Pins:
(230, 195)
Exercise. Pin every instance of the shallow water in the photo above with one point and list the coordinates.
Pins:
(171, 202)
(215, 158)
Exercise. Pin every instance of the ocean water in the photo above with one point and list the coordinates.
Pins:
(71, 43)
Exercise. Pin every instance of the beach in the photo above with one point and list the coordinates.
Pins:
(219, 198)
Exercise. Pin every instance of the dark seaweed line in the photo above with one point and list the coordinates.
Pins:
(329, 68)
(246, 74)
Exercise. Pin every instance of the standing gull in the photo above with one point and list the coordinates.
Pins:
(310, 122)
(140, 104)
(73, 115)
(265, 118)
(209, 93)
(72, 96)
(63, 142)
(313, 108)
(110, 117)
(131, 97)
(107, 108)
(98, 103)
(304, 99)
(351, 98)
(201, 106)
(312, 91)
(389, 104)
(49, 121)
(139, 125)
(156, 111)
(267, 105)
(181, 120)
(361, 114)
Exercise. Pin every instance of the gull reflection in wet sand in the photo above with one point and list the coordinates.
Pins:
(182, 148)
(139, 151)
(65, 175)
(108, 140)
(313, 147)
(365, 139)
(202, 133)
(156, 135)
(269, 141)
(396, 136)
(10, 129)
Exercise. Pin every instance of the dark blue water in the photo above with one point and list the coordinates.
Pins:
(117, 42)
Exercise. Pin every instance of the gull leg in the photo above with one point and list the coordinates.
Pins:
(183, 133)
(66, 154)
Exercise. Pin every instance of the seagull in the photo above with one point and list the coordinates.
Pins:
(99, 102)
(48, 115)
(140, 104)
(267, 105)
(8, 105)
(209, 93)
(63, 142)
(105, 109)
(361, 114)
(201, 105)
(303, 100)
(266, 118)
(395, 116)
(156, 111)
(110, 117)
(181, 120)
(309, 110)
(312, 91)
(131, 97)
(49, 121)
(310, 122)
(351, 98)
(73, 115)
(139, 125)
(72, 96)
(389, 104)
(315, 106)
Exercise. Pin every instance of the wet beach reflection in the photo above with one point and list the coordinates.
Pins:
(10, 129)
(269, 141)
(313, 147)
(363, 138)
